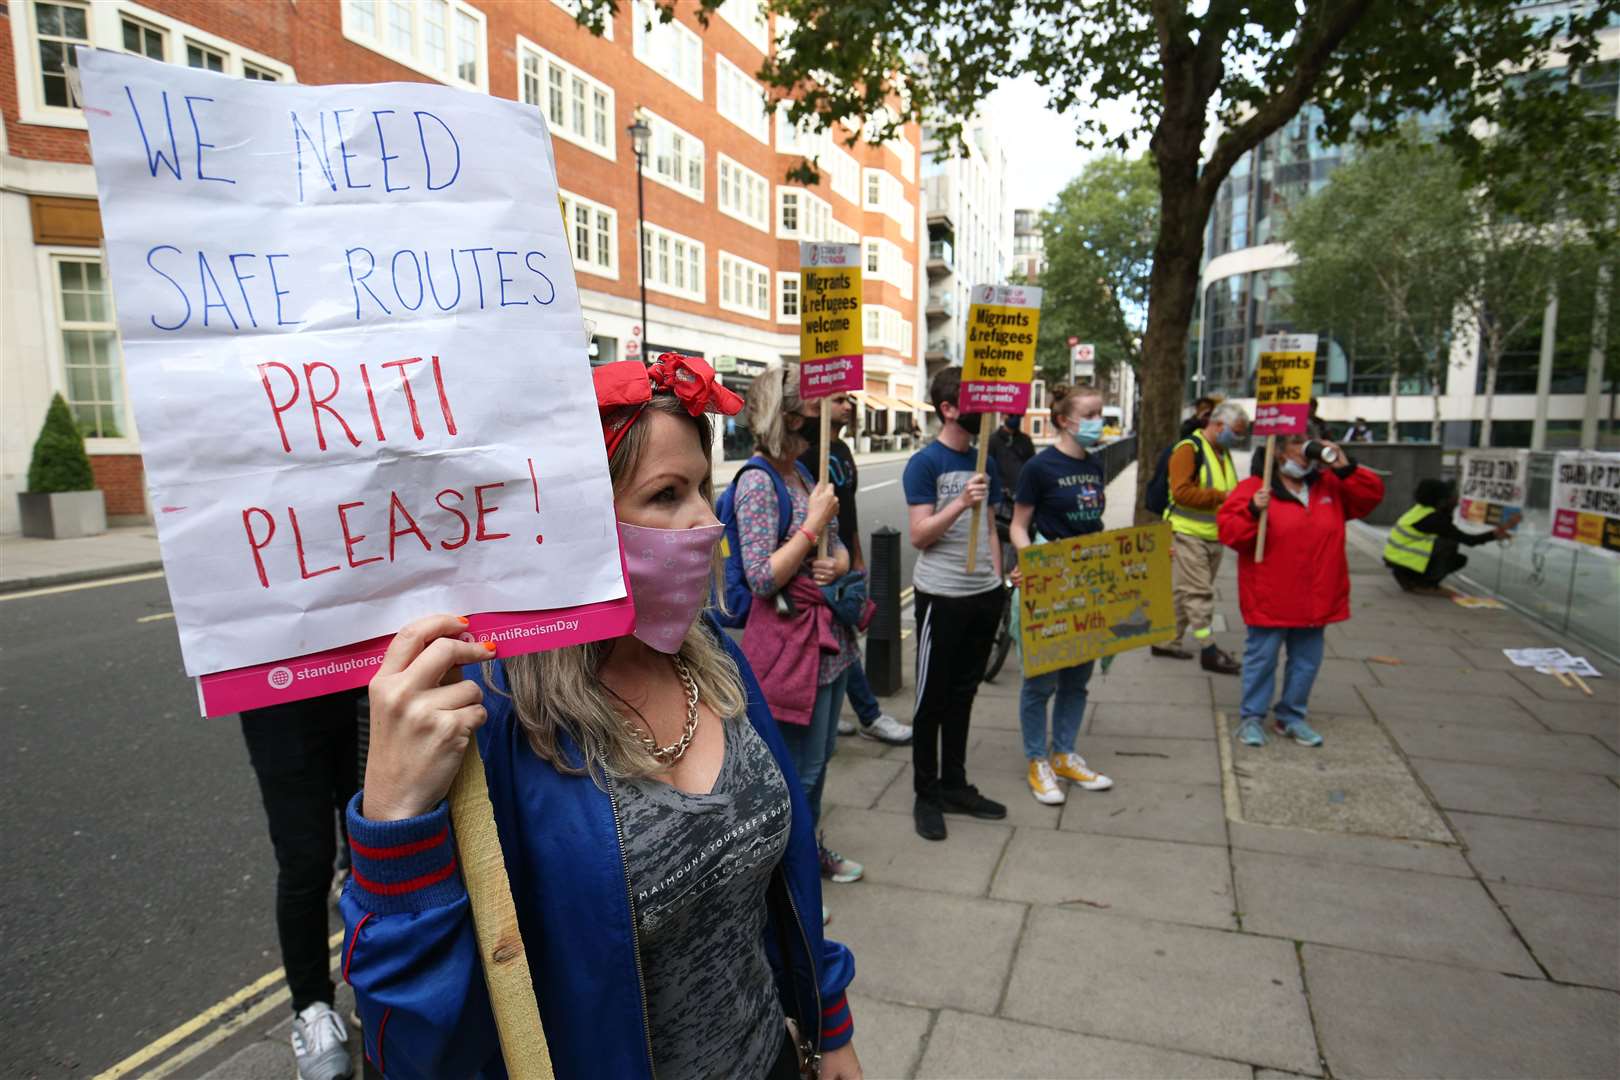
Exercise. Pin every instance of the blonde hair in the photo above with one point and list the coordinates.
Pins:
(558, 690)
(774, 395)
(1066, 398)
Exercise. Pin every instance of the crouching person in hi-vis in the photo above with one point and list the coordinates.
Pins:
(659, 846)
(1201, 476)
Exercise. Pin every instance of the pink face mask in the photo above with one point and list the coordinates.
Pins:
(670, 573)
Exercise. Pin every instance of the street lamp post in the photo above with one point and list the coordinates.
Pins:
(640, 135)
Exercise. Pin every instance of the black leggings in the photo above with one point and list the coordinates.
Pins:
(306, 759)
(786, 1065)
(954, 636)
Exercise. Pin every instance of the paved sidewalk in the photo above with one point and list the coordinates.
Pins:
(26, 563)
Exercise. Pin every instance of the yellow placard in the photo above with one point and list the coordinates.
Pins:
(1003, 323)
(1282, 384)
(830, 301)
(1093, 596)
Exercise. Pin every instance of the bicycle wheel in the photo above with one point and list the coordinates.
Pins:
(1004, 642)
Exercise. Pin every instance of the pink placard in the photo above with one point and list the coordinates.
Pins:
(1566, 524)
(831, 375)
(996, 397)
(1289, 419)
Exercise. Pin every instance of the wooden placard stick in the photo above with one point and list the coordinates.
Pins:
(1265, 485)
(1563, 680)
(821, 468)
(1580, 682)
(986, 426)
(500, 945)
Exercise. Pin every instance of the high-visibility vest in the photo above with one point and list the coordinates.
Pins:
(1217, 472)
(1406, 546)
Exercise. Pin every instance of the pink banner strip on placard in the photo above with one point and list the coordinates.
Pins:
(997, 397)
(831, 375)
(343, 668)
(1289, 419)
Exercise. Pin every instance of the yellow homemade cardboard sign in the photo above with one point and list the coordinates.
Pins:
(830, 301)
(1094, 596)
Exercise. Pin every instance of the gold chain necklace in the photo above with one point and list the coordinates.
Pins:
(669, 755)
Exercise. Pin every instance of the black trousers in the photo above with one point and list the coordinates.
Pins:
(305, 756)
(1444, 560)
(954, 636)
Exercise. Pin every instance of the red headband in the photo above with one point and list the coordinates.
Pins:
(630, 384)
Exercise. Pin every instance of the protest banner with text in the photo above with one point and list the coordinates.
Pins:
(1282, 389)
(358, 366)
(831, 333)
(1491, 486)
(1093, 596)
(999, 363)
(1586, 500)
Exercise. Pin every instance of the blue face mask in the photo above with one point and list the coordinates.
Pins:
(1088, 432)
(1226, 439)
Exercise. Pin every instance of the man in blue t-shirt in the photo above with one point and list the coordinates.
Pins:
(957, 611)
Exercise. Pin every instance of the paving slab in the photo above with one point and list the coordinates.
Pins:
(929, 949)
(888, 1037)
(1446, 740)
(1198, 991)
(1154, 721)
(1389, 702)
(1543, 794)
(1190, 813)
(888, 846)
(1606, 691)
(1425, 916)
(1379, 1016)
(1427, 858)
(1390, 636)
(1574, 858)
(1171, 761)
(1151, 879)
(998, 776)
(1461, 679)
(1154, 689)
(1410, 654)
(1335, 698)
(968, 1046)
(1508, 632)
(859, 781)
(1580, 717)
(1575, 936)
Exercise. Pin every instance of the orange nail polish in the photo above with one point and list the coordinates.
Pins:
(463, 619)
(490, 645)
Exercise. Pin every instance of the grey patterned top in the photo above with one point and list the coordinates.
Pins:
(699, 867)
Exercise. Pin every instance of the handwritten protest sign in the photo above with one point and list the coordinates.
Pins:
(1282, 389)
(1094, 596)
(831, 347)
(1490, 488)
(1003, 322)
(356, 356)
(1586, 499)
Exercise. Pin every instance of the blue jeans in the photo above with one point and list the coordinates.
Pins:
(1069, 684)
(812, 745)
(867, 709)
(1305, 644)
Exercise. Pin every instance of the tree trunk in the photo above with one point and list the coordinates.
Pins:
(1493, 364)
(1394, 403)
(1172, 295)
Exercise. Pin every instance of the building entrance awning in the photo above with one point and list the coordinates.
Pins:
(874, 401)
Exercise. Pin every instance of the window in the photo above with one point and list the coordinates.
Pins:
(578, 108)
(443, 39)
(803, 216)
(741, 100)
(787, 296)
(90, 354)
(742, 193)
(201, 56)
(669, 48)
(253, 71)
(142, 39)
(788, 218)
(745, 287)
(874, 189)
(677, 157)
(593, 233)
(790, 138)
(843, 171)
(748, 16)
(884, 328)
(674, 263)
(57, 28)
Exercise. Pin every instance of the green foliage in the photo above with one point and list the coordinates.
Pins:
(1098, 237)
(59, 462)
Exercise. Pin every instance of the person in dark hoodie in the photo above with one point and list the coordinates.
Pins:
(1422, 546)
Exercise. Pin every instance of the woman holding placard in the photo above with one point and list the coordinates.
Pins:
(659, 850)
(1304, 582)
(1060, 494)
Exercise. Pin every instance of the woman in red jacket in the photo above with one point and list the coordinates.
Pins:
(1304, 582)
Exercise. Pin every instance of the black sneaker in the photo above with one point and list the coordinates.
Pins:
(930, 821)
(967, 800)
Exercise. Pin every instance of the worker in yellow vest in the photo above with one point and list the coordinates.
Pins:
(1422, 547)
(1201, 476)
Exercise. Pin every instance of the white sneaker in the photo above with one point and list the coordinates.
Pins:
(846, 726)
(1043, 783)
(1073, 768)
(889, 730)
(320, 1044)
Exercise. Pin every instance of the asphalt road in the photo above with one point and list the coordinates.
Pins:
(139, 876)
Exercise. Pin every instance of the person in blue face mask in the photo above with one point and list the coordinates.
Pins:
(1060, 494)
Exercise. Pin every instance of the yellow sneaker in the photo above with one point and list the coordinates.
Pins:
(1072, 767)
(1043, 783)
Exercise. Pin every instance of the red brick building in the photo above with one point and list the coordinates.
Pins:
(722, 221)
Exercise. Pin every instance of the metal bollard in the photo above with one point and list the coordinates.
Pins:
(883, 636)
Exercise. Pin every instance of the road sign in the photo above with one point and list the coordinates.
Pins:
(632, 349)
(1082, 361)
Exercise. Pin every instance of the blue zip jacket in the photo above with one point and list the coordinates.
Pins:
(411, 955)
